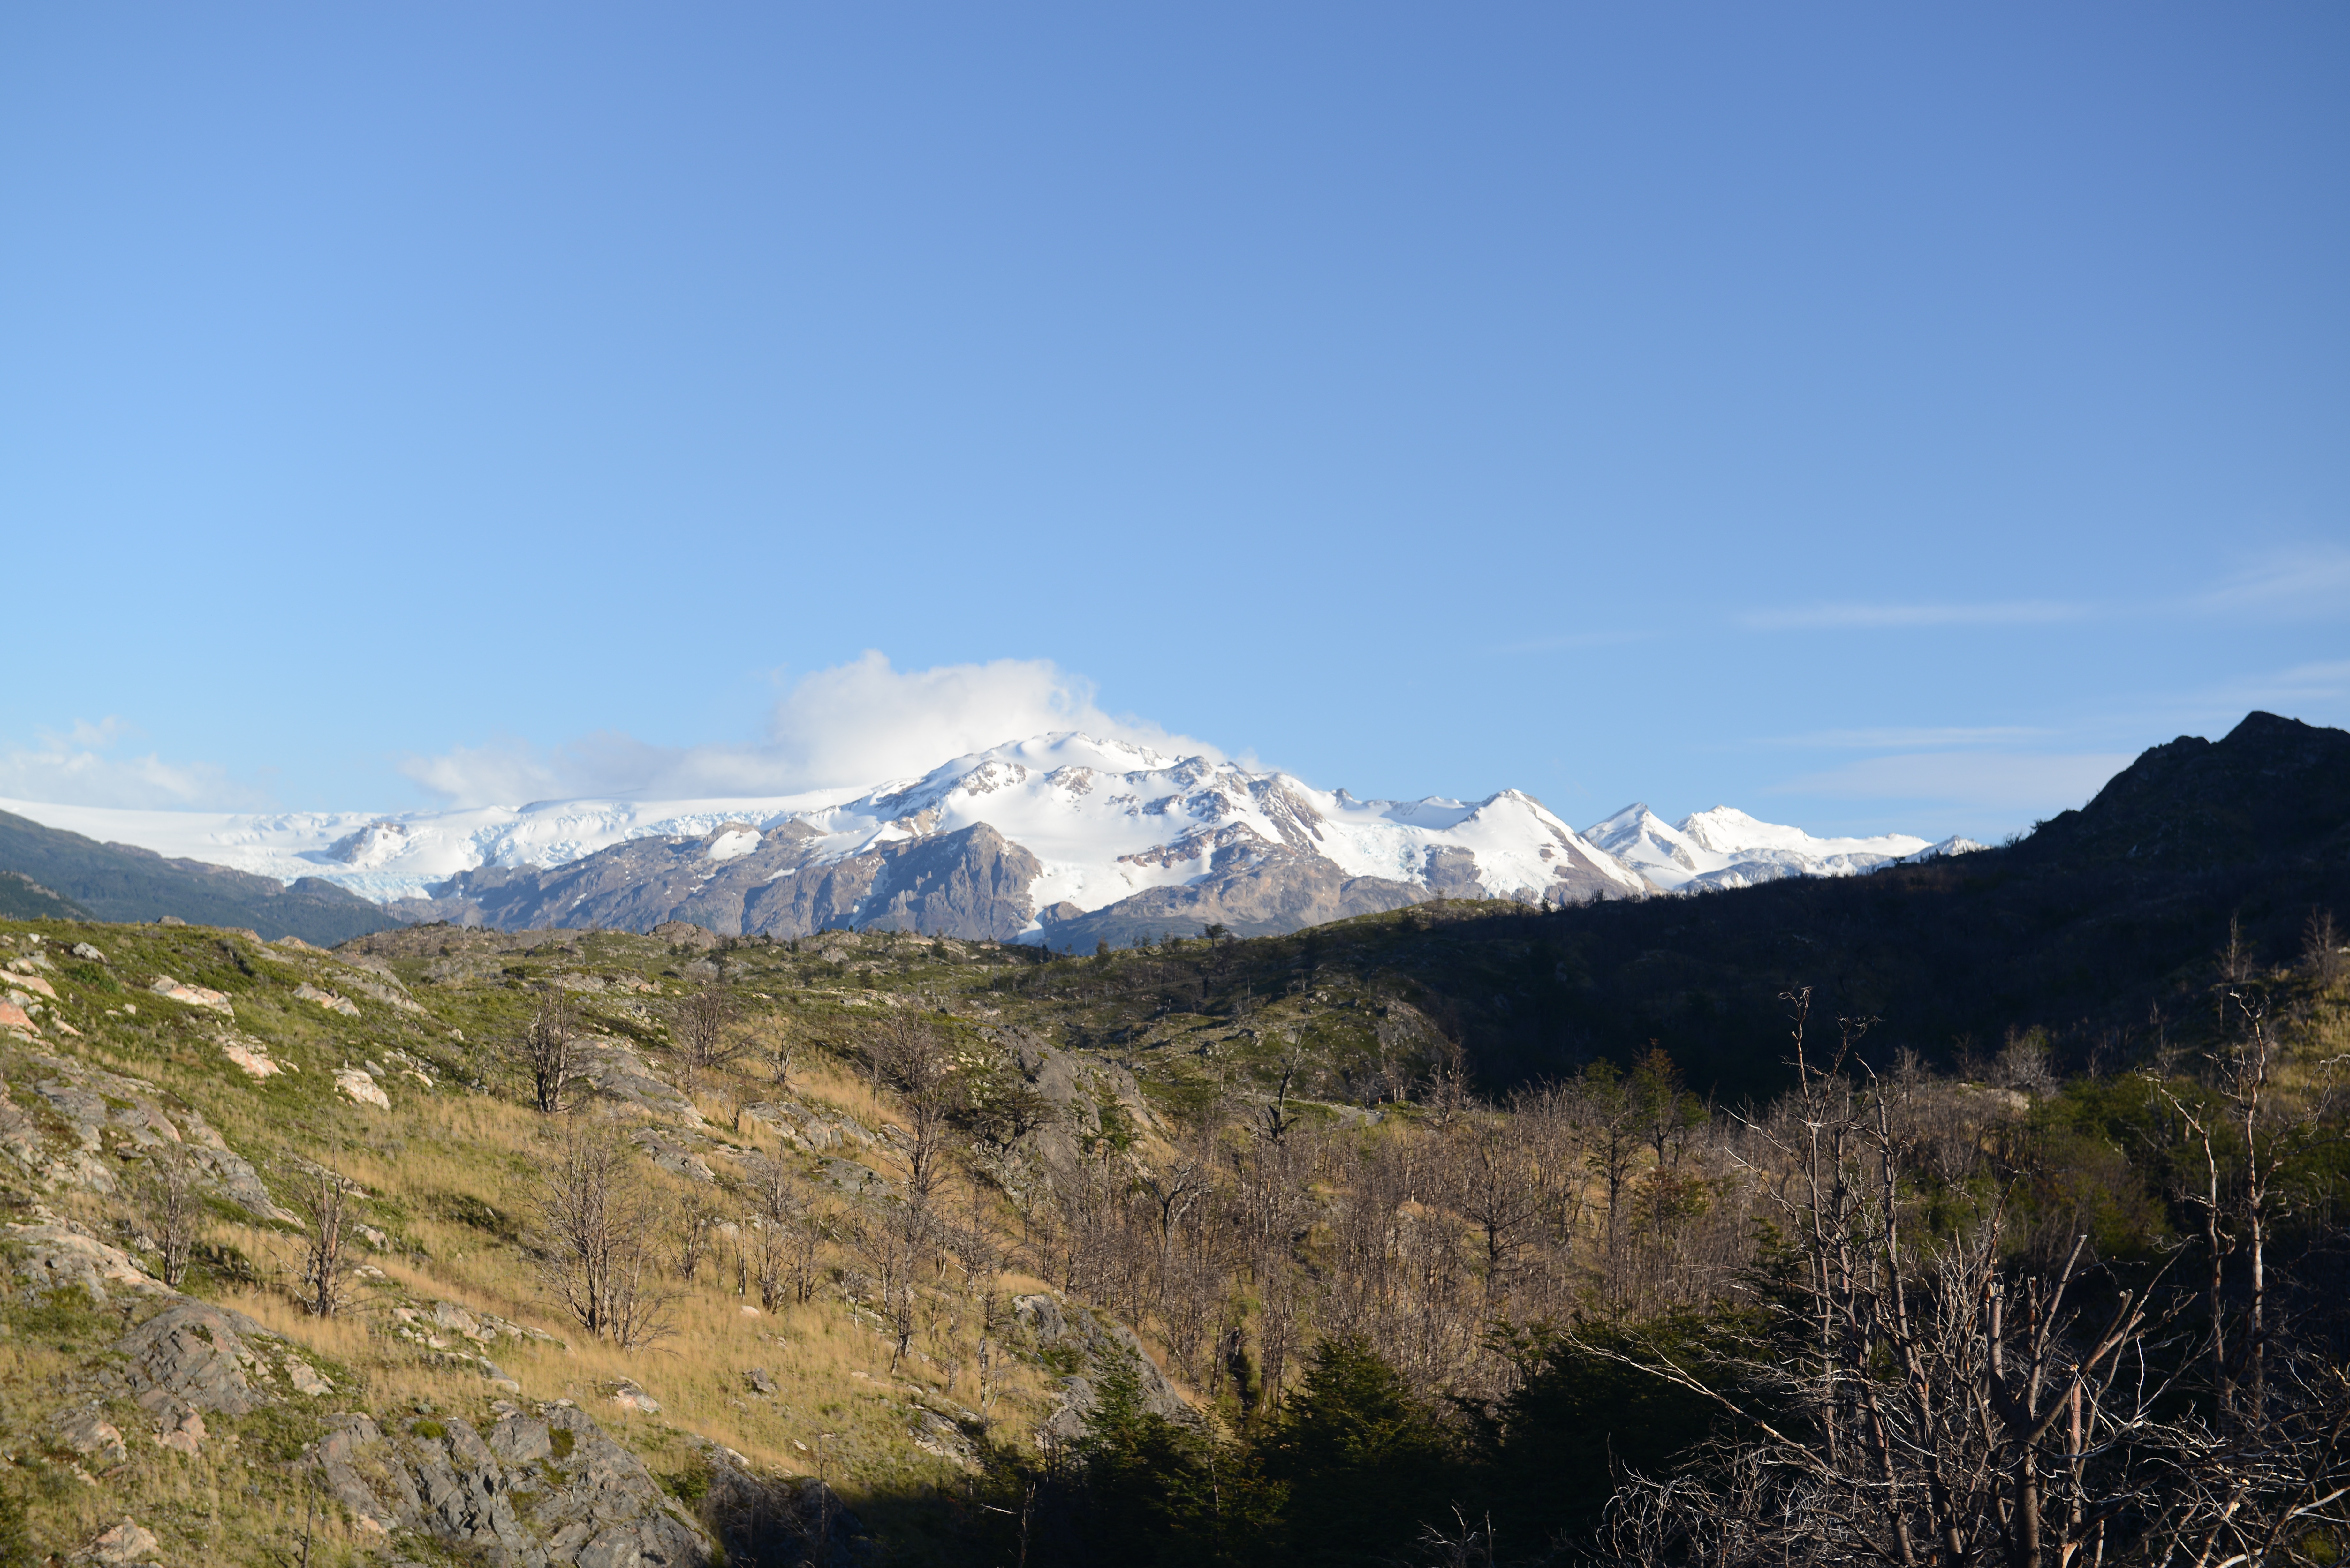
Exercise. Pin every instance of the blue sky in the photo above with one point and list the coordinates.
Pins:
(1873, 417)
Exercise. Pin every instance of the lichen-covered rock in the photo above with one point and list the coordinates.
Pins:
(200, 1355)
(539, 1491)
(192, 995)
(672, 1155)
(87, 1432)
(55, 1253)
(331, 1000)
(125, 1545)
(93, 1114)
(619, 1072)
(357, 1083)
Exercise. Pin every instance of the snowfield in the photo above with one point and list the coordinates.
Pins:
(1106, 818)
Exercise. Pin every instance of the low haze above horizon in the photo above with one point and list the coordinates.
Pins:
(1874, 420)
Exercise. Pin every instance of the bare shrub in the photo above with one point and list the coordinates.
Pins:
(697, 1231)
(703, 1027)
(324, 1199)
(172, 1209)
(2322, 950)
(602, 1224)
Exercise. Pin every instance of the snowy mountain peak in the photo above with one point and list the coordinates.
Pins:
(1725, 847)
(1729, 831)
(1026, 836)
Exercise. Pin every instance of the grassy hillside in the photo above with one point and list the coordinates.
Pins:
(447, 1179)
(119, 882)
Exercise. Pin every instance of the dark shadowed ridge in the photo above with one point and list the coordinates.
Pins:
(119, 882)
(2102, 927)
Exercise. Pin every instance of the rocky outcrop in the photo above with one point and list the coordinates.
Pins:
(619, 1072)
(67, 1124)
(540, 1488)
(194, 1356)
(1099, 1343)
(52, 1254)
(1252, 890)
(973, 883)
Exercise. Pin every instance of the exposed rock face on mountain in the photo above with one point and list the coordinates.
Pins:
(997, 847)
(969, 883)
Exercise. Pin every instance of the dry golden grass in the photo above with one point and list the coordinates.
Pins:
(830, 1368)
(427, 1167)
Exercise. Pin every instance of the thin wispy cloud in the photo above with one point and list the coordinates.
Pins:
(1910, 739)
(2296, 687)
(2300, 581)
(1856, 617)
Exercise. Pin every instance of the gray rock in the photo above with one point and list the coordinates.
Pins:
(850, 1176)
(54, 1253)
(619, 1072)
(672, 1156)
(102, 1110)
(195, 1355)
(596, 1506)
(1101, 1343)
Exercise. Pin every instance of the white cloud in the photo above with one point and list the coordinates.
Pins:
(2040, 782)
(857, 724)
(79, 768)
(1878, 616)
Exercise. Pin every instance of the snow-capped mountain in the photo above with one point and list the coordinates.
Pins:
(1062, 838)
(1725, 847)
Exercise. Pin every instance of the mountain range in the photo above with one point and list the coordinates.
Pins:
(1063, 839)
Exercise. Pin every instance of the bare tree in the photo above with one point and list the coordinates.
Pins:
(2322, 950)
(702, 1026)
(784, 1235)
(547, 1053)
(911, 1058)
(781, 1052)
(697, 1231)
(1956, 1405)
(172, 1209)
(324, 1198)
(893, 1247)
(602, 1226)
